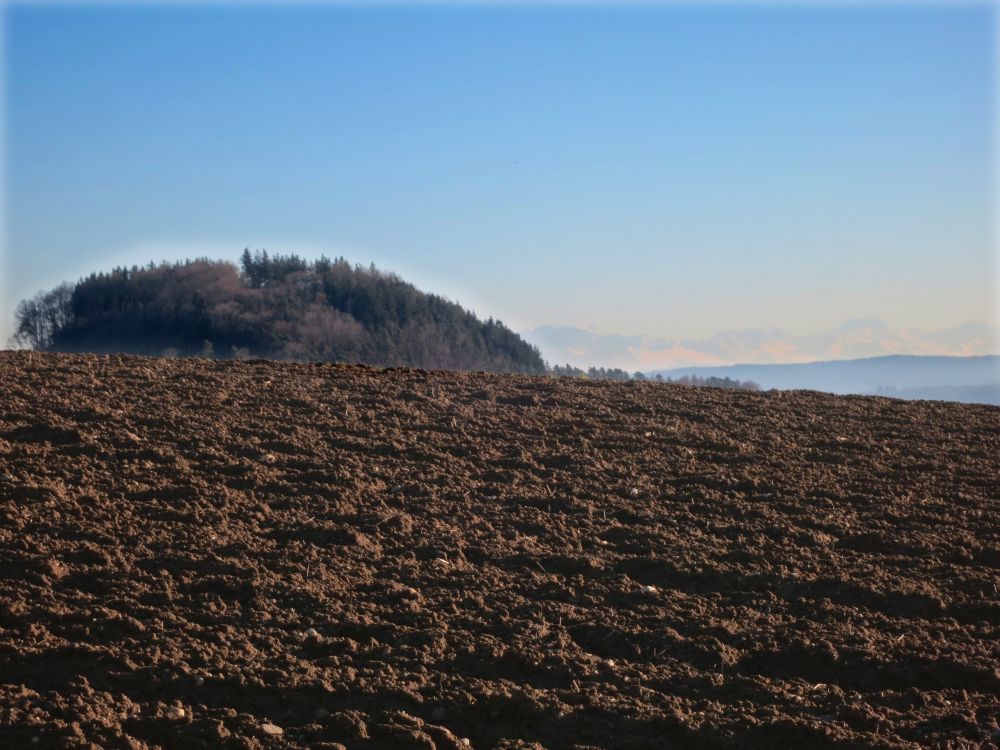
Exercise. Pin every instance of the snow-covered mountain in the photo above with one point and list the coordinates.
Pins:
(854, 339)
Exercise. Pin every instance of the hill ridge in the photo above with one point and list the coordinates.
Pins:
(275, 306)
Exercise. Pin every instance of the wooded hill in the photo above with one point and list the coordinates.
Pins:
(275, 307)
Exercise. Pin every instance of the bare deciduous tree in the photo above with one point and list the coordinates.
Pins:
(37, 320)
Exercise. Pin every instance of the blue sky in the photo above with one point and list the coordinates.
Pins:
(664, 171)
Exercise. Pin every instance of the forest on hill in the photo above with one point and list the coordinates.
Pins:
(274, 307)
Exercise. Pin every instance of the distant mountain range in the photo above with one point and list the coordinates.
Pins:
(864, 356)
(969, 379)
(854, 339)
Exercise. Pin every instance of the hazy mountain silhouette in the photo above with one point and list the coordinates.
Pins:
(971, 379)
(854, 339)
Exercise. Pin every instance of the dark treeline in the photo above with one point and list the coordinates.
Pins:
(711, 382)
(280, 307)
(612, 373)
(595, 373)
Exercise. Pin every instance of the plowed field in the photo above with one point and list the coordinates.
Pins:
(197, 553)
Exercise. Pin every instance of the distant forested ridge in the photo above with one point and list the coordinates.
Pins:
(279, 307)
(619, 375)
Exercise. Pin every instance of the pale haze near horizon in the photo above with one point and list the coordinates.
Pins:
(664, 172)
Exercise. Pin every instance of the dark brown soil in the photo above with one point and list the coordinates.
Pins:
(205, 554)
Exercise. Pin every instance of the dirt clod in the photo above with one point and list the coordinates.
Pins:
(400, 558)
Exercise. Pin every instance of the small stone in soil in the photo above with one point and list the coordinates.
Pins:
(270, 730)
